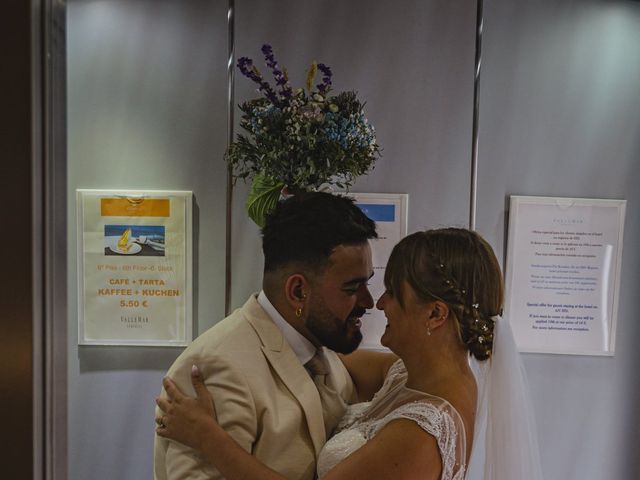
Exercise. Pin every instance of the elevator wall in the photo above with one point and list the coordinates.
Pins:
(559, 116)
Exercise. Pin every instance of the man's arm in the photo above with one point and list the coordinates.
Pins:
(236, 415)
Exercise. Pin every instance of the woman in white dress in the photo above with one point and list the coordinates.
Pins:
(417, 409)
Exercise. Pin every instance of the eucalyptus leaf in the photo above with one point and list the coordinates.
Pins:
(263, 198)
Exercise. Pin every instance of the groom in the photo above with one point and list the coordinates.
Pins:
(277, 391)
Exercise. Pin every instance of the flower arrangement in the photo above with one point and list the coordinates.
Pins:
(298, 139)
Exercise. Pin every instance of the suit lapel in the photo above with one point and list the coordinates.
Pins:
(297, 380)
(287, 366)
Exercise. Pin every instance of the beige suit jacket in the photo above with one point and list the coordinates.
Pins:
(263, 395)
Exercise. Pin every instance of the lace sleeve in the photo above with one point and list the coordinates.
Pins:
(440, 421)
(396, 370)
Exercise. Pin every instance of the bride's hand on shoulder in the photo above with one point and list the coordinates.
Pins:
(185, 419)
(193, 422)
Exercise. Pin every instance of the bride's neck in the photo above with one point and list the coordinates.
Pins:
(429, 370)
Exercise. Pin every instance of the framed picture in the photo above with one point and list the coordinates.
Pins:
(563, 273)
(134, 267)
(390, 212)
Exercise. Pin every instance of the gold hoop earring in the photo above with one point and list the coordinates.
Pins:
(299, 312)
(428, 331)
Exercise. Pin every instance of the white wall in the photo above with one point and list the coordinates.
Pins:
(146, 109)
(560, 116)
(560, 104)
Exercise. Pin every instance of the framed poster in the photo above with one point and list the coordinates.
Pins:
(389, 211)
(134, 267)
(563, 273)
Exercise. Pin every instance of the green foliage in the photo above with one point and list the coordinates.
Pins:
(301, 139)
(310, 142)
(263, 197)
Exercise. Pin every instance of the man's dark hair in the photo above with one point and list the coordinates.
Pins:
(306, 227)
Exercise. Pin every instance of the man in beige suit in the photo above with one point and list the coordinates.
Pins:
(277, 390)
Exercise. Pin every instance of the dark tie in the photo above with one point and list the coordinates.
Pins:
(333, 406)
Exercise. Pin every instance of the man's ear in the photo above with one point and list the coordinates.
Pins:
(295, 290)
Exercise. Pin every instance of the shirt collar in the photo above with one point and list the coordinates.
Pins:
(302, 347)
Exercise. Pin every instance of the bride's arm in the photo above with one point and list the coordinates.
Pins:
(193, 422)
(368, 370)
(401, 450)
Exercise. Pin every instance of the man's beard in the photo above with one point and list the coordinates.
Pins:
(334, 333)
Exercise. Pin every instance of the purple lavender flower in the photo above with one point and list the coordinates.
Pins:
(279, 76)
(324, 87)
(245, 64)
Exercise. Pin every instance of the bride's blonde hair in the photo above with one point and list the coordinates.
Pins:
(456, 266)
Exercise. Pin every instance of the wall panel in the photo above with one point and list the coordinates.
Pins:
(147, 98)
(560, 116)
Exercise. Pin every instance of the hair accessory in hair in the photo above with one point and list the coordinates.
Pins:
(449, 281)
(298, 139)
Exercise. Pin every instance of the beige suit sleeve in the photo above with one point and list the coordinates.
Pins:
(236, 414)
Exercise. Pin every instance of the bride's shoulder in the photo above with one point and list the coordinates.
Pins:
(462, 397)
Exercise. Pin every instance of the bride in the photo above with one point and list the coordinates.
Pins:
(417, 413)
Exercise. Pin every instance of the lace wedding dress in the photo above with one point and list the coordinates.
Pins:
(394, 400)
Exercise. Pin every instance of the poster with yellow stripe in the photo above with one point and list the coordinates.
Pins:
(134, 267)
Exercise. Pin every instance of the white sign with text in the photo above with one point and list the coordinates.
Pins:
(134, 267)
(563, 271)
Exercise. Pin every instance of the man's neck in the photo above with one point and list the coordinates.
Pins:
(302, 346)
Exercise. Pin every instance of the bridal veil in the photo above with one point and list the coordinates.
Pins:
(505, 443)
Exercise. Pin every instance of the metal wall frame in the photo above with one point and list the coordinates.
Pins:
(54, 193)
